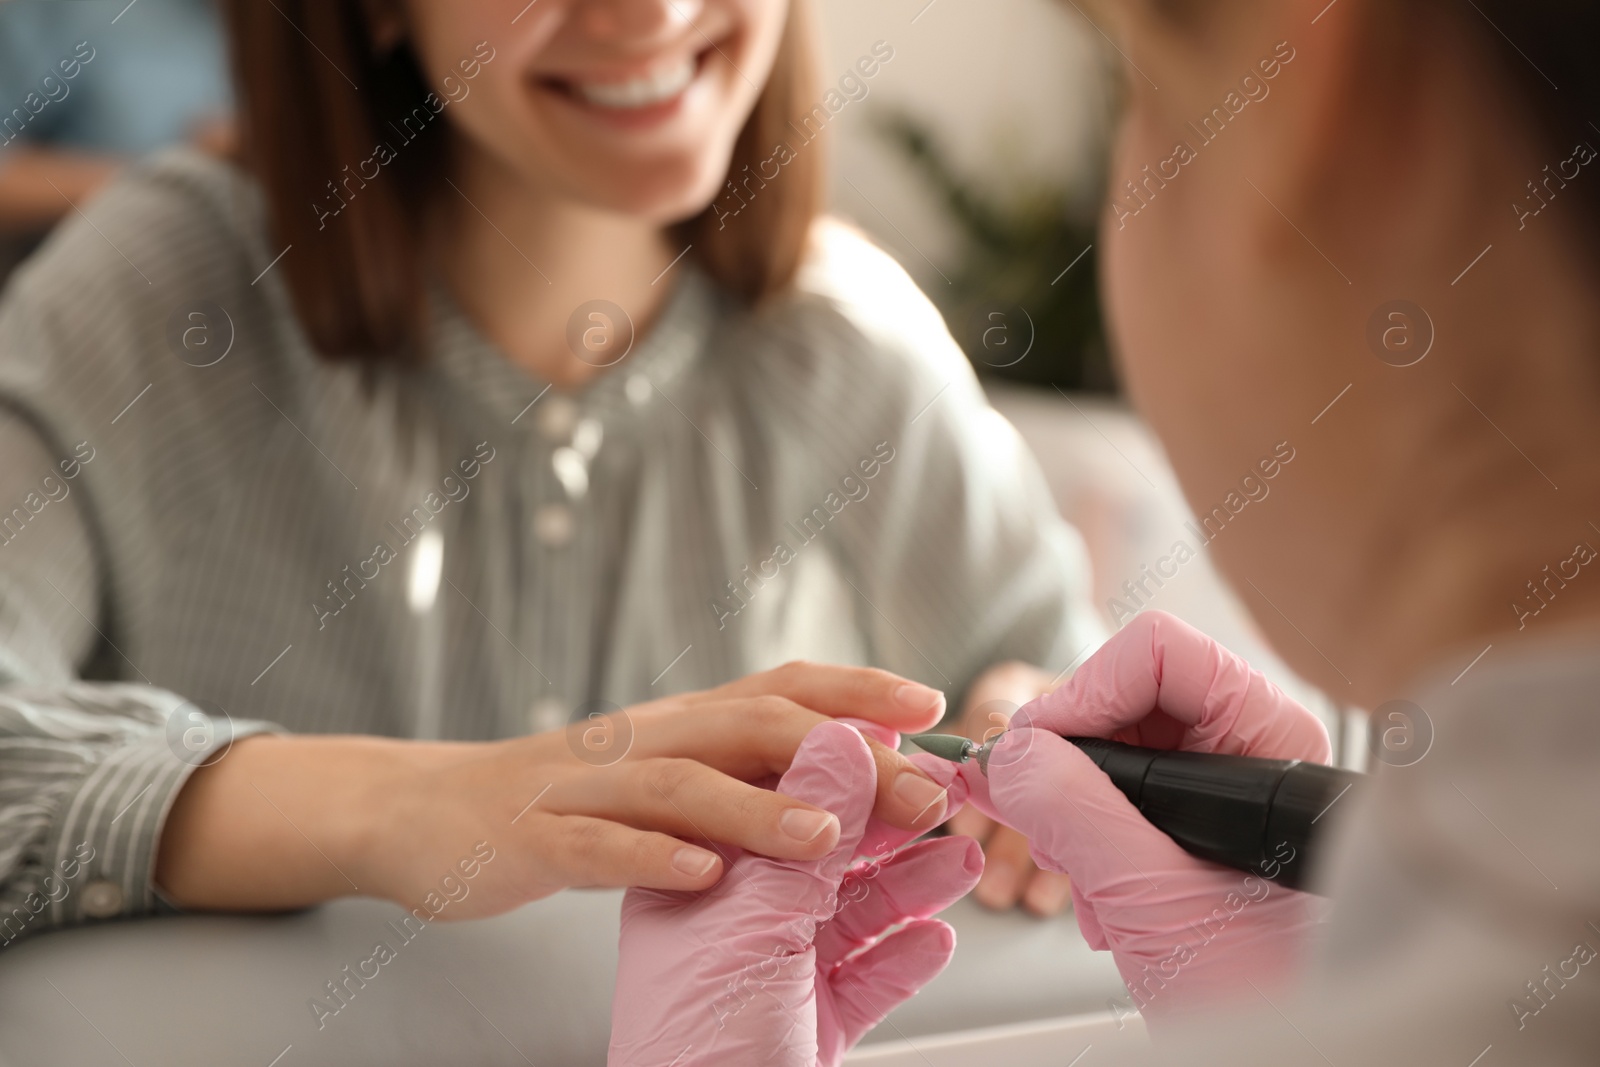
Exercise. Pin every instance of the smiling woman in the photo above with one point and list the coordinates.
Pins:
(545, 160)
(628, 131)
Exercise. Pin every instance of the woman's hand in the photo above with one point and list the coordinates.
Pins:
(288, 821)
(1184, 932)
(1009, 873)
(786, 962)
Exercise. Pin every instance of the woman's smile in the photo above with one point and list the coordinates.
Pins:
(629, 109)
(643, 97)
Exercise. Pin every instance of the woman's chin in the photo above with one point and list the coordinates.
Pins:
(664, 201)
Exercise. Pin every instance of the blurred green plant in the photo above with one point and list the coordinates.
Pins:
(1023, 301)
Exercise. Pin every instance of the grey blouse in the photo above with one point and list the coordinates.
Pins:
(205, 530)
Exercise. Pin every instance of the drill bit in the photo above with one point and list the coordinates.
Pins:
(946, 746)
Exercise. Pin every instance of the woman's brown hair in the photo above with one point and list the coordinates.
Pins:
(358, 284)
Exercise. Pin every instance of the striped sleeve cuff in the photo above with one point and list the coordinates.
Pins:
(98, 859)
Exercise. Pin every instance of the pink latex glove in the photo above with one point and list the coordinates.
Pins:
(1185, 933)
(786, 962)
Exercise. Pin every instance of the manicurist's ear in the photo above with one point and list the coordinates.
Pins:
(1322, 103)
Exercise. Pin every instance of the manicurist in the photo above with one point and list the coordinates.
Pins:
(1354, 264)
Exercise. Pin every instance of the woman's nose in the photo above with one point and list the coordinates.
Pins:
(639, 20)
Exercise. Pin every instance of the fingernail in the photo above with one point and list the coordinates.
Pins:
(806, 826)
(1047, 896)
(998, 887)
(694, 862)
(918, 698)
(920, 795)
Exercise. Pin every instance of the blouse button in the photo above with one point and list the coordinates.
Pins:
(553, 525)
(547, 714)
(586, 437)
(571, 470)
(102, 899)
(557, 417)
(638, 390)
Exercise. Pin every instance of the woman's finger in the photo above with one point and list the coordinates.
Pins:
(882, 840)
(834, 768)
(1047, 893)
(581, 851)
(756, 737)
(970, 822)
(1007, 866)
(845, 692)
(689, 799)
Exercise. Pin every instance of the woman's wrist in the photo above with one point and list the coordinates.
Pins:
(285, 821)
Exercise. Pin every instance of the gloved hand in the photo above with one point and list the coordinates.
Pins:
(1184, 932)
(781, 962)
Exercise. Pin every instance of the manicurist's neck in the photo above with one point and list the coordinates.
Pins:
(1458, 498)
(1470, 589)
(1485, 504)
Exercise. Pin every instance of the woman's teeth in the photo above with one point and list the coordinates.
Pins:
(654, 88)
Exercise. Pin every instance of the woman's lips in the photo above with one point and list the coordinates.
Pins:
(640, 100)
(657, 87)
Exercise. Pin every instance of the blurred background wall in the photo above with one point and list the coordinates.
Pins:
(86, 86)
(985, 187)
(1043, 122)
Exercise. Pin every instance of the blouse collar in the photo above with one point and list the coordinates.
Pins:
(463, 356)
